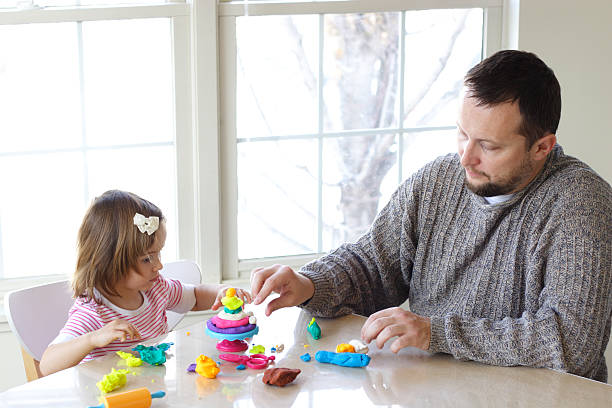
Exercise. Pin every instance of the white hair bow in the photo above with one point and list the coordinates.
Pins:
(146, 224)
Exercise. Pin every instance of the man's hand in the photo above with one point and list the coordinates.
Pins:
(411, 329)
(294, 288)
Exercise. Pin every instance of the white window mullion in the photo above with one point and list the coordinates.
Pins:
(185, 146)
(261, 8)
(492, 31)
(206, 130)
(85, 13)
(402, 69)
(321, 129)
(229, 148)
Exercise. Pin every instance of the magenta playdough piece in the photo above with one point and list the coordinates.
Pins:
(233, 346)
(224, 324)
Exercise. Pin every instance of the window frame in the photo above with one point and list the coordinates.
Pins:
(233, 267)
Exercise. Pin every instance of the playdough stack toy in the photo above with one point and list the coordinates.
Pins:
(232, 324)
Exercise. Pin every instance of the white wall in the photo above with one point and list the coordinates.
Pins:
(574, 38)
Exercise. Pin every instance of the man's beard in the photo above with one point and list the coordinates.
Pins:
(504, 186)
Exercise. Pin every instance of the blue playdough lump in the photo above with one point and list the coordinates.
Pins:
(343, 359)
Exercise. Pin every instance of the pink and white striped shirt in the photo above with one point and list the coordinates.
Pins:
(149, 319)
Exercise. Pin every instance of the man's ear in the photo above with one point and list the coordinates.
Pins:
(543, 146)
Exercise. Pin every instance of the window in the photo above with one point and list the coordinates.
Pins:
(327, 110)
(88, 104)
(266, 131)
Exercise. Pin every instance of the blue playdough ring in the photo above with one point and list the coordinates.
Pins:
(230, 337)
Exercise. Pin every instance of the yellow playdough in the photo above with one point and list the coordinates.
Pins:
(206, 367)
(231, 292)
(345, 348)
(130, 359)
(113, 380)
(232, 303)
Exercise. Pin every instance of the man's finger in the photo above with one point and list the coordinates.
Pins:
(282, 301)
(258, 279)
(271, 283)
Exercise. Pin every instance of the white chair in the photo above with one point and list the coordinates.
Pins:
(186, 272)
(37, 314)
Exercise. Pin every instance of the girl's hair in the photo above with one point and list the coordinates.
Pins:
(109, 243)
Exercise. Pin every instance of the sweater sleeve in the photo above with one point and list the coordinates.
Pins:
(372, 273)
(570, 329)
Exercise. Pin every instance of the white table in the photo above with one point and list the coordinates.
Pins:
(410, 378)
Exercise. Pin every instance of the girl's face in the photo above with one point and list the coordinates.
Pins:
(146, 272)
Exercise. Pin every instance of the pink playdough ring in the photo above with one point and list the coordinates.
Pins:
(257, 363)
(232, 346)
(224, 324)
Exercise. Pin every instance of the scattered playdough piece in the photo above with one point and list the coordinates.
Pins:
(280, 376)
(345, 348)
(206, 367)
(305, 357)
(130, 359)
(314, 329)
(280, 348)
(188, 333)
(273, 350)
(360, 347)
(154, 355)
(258, 349)
(343, 359)
(137, 398)
(113, 380)
(240, 367)
(306, 345)
(191, 367)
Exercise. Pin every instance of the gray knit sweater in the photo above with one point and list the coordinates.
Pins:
(524, 282)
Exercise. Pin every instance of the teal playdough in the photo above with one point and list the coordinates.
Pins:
(305, 357)
(343, 359)
(314, 329)
(154, 355)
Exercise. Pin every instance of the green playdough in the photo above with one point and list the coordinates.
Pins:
(314, 329)
(154, 355)
(259, 349)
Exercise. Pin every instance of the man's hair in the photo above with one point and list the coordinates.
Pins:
(510, 76)
(109, 243)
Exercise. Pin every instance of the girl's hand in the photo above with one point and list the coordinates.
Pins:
(240, 293)
(116, 330)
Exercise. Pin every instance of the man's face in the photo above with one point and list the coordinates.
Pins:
(494, 155)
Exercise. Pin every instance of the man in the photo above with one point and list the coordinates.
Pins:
(504, 250)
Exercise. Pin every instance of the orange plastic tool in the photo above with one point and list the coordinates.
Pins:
(138, 398)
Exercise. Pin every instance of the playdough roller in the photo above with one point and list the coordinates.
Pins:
(138, 398)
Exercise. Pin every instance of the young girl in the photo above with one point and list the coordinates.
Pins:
(120, 297)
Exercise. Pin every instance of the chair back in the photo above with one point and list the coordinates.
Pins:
(186, 272)
(37, 314)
